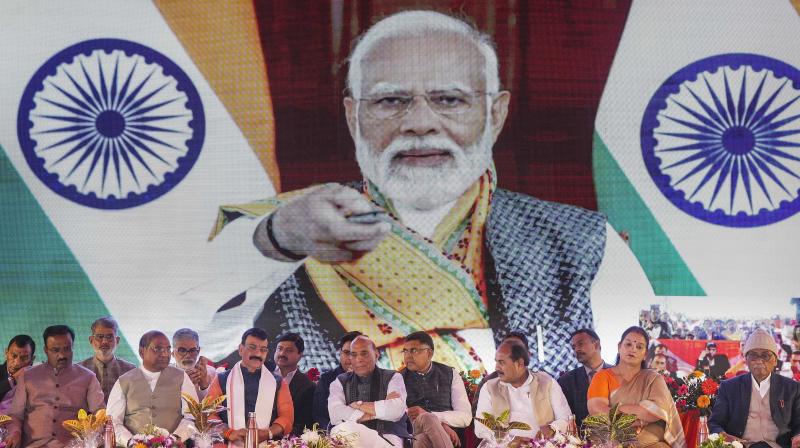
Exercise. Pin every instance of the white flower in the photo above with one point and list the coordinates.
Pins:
(574, 440)
(737, 444)
(713, 437)
(310, 437)
(559, 437)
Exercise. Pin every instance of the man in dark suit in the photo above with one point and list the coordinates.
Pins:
(19, 355)
(575, 383)
(760, 409)
(288, 352)
(323, 390)
(712, 363)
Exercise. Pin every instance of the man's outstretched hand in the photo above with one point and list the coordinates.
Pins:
(316, 225)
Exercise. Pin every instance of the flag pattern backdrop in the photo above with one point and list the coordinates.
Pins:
(124, 125)
(697, 146)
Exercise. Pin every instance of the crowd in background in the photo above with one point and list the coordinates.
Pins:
(665, 325)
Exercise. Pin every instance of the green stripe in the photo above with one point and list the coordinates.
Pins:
(41, 282)
(617, 198)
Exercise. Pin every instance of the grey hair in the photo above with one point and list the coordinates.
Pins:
(106, 322)
(186, 333)
(415, 23)
(365, 338)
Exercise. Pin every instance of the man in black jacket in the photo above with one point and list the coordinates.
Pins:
(320, 408)
(575, 383)
(712, 363)
(437, 399)
(761, 409)
(19, 354)
(288, 352)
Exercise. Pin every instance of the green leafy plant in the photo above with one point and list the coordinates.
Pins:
(500, 424)
(613, 428)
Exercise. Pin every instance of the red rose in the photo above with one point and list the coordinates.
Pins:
(681, 405)
(313, 374)
(683, 390)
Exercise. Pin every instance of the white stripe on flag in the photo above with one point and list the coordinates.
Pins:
(660, 40)
(146, 261)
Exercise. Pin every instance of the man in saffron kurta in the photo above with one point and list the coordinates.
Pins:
(250, 387)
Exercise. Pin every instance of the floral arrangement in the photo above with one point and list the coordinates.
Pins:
(87, 429)
(695, 391)
(715, 441)
(3, 420)
(206, 430)
(313, 374)
(471, 381)
(313, 438)
(614, 428)
(153, 437)
(559, 440)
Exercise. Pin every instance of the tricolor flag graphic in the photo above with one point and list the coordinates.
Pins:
(123, 126)
(697, 146)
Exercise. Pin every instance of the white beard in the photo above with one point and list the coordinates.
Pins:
(425, 188)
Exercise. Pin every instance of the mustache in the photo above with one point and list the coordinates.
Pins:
(282, 357)
(405, 143)
(257, 357)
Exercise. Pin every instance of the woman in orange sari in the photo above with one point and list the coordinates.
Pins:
(638, 391)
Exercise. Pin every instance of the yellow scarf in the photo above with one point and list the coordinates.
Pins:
(408, 283)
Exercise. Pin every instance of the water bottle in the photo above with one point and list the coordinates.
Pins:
(702, 430)
(572, 426)
(251, 437)
(109, 438)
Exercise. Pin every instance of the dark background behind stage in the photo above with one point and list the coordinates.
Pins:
(554, 58)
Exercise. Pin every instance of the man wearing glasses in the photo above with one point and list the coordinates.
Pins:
(759, 410)
(186, 351)
(437, 399)
(105, 364)
(50, 393)
(151, 394)
(427, 241)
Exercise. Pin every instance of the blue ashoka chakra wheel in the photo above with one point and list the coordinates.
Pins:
(110, 124)
(721, 140)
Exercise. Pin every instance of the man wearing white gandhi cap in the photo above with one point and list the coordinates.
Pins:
(760, 409)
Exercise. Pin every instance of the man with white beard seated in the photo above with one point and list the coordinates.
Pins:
(444, 250)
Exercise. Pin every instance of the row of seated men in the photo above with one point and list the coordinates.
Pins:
(424, 405)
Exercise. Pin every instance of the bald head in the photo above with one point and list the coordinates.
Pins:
(363, 356)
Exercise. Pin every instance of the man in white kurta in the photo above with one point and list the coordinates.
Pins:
(369, 401)
(531, 397)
